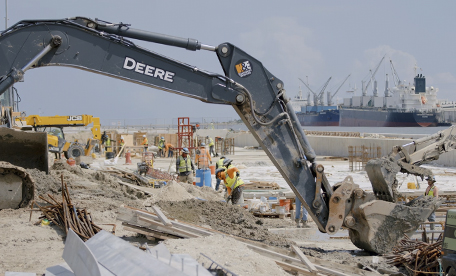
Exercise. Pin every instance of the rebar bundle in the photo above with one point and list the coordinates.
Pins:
(417, 256)
(64, 214)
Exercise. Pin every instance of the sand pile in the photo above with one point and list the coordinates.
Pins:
(176, 191)
(228, 252)
(227, 218)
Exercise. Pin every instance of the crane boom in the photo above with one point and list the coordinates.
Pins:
(373, 74)
(397, 80)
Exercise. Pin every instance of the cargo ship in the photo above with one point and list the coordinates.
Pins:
(318, 116)
(401, 106)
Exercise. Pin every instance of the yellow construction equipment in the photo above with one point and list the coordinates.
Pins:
(53, 126)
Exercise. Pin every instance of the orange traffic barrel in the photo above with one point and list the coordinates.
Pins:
(71, 162)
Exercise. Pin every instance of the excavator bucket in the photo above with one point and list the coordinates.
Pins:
(24, 149)
(381, 224)
(382, 175)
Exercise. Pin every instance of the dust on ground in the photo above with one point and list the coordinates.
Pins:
(223, 217)
(235, 256)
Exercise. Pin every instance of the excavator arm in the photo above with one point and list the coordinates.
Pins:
(407, 159)
(256, 94)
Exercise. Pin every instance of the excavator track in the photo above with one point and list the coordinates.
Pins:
(17, 187)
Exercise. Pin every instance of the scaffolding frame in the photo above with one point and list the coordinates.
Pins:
(358, 156)
(184, 134)
(224, 145)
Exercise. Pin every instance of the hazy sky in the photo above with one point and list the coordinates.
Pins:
(293, 39)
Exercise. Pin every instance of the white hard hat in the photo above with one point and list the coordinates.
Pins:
(121, 137)
(203, 144)
(144, 136)
(185, 150)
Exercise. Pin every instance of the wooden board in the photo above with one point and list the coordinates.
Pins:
(304, 259)
(148, 232)
(161, 216)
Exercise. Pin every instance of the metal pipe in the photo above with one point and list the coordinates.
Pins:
(186, 43)
(424, 139)
(37, 57)
(17, 75)
(308, 150)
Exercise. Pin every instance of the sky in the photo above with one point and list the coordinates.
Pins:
(311, 40)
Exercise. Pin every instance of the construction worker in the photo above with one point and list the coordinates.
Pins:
(233, 183)
(121, 144)
(170, 149)
(211, 146)
(433, 191)
(227, 163)
(202, 157)
(161, 146)
(219, 165)
(104, 139)
(298, 218)
(184, 167)
(145, 142)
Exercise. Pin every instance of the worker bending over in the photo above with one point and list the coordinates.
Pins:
(184, 167)
(203, 157)
(211, 146)
(219, 165)
(170, 149)
(145, 142)
(233, 182)
(161, 146)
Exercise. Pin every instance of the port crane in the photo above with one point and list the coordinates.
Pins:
(318, 98)
(330, 102)
(364, 87)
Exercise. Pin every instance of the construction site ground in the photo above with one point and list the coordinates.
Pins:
(27, 246)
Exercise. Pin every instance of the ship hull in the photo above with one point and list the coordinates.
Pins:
(322, 118)
(386, 118)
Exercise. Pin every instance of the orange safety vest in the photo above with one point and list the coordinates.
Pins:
(203, 158)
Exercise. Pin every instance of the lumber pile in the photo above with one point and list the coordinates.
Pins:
(416, 256)
(133, 177)
(157, 225)
(261, 185)
(65, 215)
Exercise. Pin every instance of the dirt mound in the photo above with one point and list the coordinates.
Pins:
(177, 191)
(45, 183)
(227, 218)
(248, 262)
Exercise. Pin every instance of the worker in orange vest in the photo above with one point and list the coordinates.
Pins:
(203, 157)
(145, 142)
(233, 182)
(170, 149)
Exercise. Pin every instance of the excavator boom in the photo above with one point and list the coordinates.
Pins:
(256, 94)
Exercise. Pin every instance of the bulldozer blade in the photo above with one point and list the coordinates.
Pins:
(382, 175)
(380, 224)
(24, 149)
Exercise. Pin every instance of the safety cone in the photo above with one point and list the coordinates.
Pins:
(127, 158)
